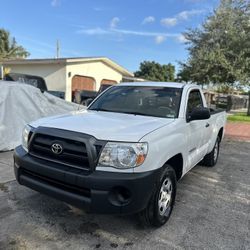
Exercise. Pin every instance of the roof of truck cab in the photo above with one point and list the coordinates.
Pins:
(152, 84)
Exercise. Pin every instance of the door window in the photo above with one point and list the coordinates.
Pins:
(194, 101)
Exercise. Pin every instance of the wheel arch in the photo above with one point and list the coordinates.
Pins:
(176, 162)
(220, 134)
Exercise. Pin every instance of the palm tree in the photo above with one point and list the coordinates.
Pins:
(9, 49)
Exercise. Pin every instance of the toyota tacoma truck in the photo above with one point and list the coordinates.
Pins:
(125, 153)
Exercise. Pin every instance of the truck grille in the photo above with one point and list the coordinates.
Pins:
(80, 152)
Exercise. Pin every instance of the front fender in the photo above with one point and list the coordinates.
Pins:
(164, 143)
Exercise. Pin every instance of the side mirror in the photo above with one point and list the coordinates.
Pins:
(198, 114)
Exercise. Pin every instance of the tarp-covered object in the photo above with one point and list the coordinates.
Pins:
(21, 104)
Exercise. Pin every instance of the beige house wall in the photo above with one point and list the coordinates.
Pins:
(59, 77)
(97, 70)
(53, 74)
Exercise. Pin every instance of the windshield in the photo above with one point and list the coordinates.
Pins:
(140, 100)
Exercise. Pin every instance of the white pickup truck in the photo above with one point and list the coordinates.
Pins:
(125, 152)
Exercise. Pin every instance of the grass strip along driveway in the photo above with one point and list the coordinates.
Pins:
(239, 117)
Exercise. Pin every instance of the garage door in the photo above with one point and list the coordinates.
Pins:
(107, 81)
(83, 83)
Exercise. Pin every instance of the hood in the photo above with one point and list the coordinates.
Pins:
(105, 125)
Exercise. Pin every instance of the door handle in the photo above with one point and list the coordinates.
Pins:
(207, 125)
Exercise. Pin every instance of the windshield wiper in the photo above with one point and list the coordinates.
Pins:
(101, 109)
(107, 110)
(134, 113)
(143, 114)
(124, 112)
(137, 113)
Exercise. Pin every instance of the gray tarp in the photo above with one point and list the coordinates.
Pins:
(21, 104)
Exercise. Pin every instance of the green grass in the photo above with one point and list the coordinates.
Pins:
(239, 117)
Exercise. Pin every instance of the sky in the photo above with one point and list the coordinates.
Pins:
(125, 31)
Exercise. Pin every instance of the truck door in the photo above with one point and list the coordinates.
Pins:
(195, 131)
(208, 131)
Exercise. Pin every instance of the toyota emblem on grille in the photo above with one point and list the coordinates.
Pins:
(56, 148)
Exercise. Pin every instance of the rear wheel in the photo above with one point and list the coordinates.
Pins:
(162, 201)
(210, 159)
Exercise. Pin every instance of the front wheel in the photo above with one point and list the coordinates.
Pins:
(162, 201)
(210, 159)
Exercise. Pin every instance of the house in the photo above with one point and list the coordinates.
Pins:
(69, 74)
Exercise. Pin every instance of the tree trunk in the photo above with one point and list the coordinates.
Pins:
(248, 110)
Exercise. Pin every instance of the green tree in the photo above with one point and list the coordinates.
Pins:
(154, 71)
(9, 49)
(219, 51)
(184, 75)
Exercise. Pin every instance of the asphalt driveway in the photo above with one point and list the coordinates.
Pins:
(212, 212)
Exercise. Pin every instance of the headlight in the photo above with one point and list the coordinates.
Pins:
(25, 137)
(123, 155)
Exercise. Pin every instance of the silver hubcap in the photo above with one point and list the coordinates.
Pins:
(216, 149)
(165, 196)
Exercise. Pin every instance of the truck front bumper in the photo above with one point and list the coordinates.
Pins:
(97, 191)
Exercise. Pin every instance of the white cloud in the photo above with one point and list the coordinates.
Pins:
(183, 15)
(186, 14)
(181, 38)
(114, 22)
(94, 31)
(143, 33)
(100, 31)
(149, 19)
(168, 22)
(194, 1)
(160, 39)
(55, 3)
(98, 9)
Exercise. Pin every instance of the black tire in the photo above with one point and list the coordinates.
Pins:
(210, 159)
(151, 215)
